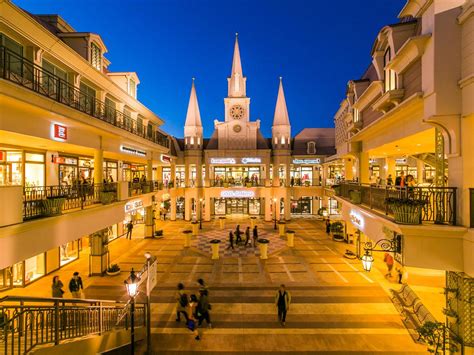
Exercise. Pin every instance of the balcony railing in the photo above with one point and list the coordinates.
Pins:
(237, 183)
(439, 207)
(21, 71)
(43, 201)
(28, 322)
(305, 182)
(144, 187)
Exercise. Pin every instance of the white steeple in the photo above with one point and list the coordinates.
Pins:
(236, 81)
(193, 125)
(281, 129)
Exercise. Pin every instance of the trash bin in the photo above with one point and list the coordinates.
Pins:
(222, 222)
(195, 226)
(215, 249)
(282, 228)
(253, 220)
(263, 245)
(290, 238)
(187, 238)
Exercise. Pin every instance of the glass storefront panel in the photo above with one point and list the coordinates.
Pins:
(111, 171)
(254, 206)
(132, 172)
(34, 268)
(68, 252)
(6, 278)
(302, 206)
(219, 206)
(166, 175)
(34, 174)
(237, 175)
(179, 176)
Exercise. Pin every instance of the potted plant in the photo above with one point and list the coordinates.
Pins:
(113, 270)
(306, 183)
(107, 195)
(406, 210)
(434, 334)
(337, 230)
(53, 205)
(337, 189)
(355, 196)
(321, 211)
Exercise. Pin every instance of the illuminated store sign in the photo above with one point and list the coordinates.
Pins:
(133, 205)
(307, 161)
(222, 161)
(165, 158)
(58, 132)
(237, 194)
(356, 219)
(133, 151)
(251, 160)
(401, 161)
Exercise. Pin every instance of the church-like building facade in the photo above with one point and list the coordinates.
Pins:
(239, 171)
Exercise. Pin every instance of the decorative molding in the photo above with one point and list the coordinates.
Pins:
(411, 50)
(451, 129)
(375, 88)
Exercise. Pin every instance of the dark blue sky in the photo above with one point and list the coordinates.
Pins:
(317, 46)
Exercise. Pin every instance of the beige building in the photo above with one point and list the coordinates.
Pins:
(79, 154)
(404, 132)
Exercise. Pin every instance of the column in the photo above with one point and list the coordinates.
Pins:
(52, 171)
(173, 177)
(98, 165)
(149, 169)
(287, 206)
(324, 171)
(348, 171)
(276, 207)
(159, 174)
(420, 168)
(199, 173)
(207, 208)
(186, 174)
(287, 172)
(276, 168)
(268, 208)
(383, 171)
(315, 205)
(149, 222)
(316, 176)
(390, 168)
(187, 208)
(267, 176)
(120, 171)
(173, 209)
(364, 168)
(208, 177)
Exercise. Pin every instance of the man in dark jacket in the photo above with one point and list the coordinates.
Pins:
(76, 286)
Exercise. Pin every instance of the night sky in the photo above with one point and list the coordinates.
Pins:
(317, 46)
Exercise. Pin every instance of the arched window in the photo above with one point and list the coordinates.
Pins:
(311, 148)
(282, 140)
(390, 77)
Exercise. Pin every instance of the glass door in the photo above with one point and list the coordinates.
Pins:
(236, 206)
(6, 278)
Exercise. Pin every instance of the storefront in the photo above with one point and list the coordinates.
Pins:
(303, 206)
(110, 170)
(237, 175)
(231, 206)
(132, 171)
(179, 176)
(135, 212)
(18, 167)
(74, 169)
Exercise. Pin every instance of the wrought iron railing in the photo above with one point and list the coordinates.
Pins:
(235, 183)
(305, 182)
(26, 322)
(144, 187)
(21, 71)
(41, 201)
(439, 207)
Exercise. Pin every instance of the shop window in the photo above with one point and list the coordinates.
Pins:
(96, 56)
(16, 52)
(311, 148)
(110, 171)
(390, 77)
(34, 268)
(68, 252)
(166, 175)
(87, 99)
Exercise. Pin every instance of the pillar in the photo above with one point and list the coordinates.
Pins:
(276, 168)
(52, 170)
(268, 209)
(187, 208)
(199, 173)
(149, 222)
(287, 207)
(186, 174)
(120, 171)
(207, 178)
(149, 169)
(324, 171)
(348, 168)
(316, 176)
(267, 176)
(420, 168)
(207, 208)
(98, 165)
(99, 253)
(276, 206)
(173, 177)
(173, 209)
(287, 172)
(390, 168)
(315, 205)
(383, 171)
(364, 168)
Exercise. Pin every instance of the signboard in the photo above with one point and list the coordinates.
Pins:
(165, 158)
(356, 219)
(58, 132)
(251, 160)
(152, 278)
(133, 151)
(237, 194)
(222, 161)
(133, 205)
(307, 161)
(246, 160)
(401, 161)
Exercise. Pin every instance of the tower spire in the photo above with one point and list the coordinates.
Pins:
(236, 80)
(281, 117)
(193, 116)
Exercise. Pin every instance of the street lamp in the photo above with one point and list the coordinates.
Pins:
(367, 261)
(393, 245)
(200, 213)
(132, 289)
(274, 213)
(148, 303)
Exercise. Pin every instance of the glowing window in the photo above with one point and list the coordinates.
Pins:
(390, 77)
(282, 140)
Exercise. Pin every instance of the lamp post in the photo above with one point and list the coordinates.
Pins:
(148, 303)
(274, 213)
(200, 213)
(393, 245)
(132, 289)
(367, 260)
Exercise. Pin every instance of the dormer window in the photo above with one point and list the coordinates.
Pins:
(96, 56)
(311, 148)
(132, 88)
(390, 77)
(356, 116)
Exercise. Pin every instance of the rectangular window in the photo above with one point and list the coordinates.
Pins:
(133, 88)
(86, 99)
(110, 110)
(127, 116)
(140, 125)
(96, 56)
(14, 54)
(57, 81)
(356, 115)
(390, 77)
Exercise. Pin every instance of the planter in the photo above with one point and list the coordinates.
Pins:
(113, 273)
(107, 197)
(146, 189)
(290, 238)
(52, 206)
(215, 249)
(281, 228)
(222, 222)
(187, 238)
(338, 238)
(337, 189)
(263, 245)
(248, 184)
(252, 222)
(406, 214)
(226, 184)
(355, 197)
(306, 183)
(195, 226)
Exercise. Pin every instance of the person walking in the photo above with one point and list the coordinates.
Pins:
(400, 180)
(193, 319)
(328, 226)
(388, 259)
(202, 286)
(57, 287)
(238, 238)
(282, 302)
(129, 230)
(76, 286)
(255, 236)
(247, 236)
(231, 240)
(203, 308)
(389, 180)
(181, 303)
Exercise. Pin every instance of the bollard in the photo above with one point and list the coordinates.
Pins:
(253, 220)
(290, 238)
(281, 228)
(222, 222)
(195, 226)
(187, 238)
(263, 245)
(215, 249)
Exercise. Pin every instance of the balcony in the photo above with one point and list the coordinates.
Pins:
(237, 183)
(296, 182)
(145, 187)
(439, 202)
(353, 126)
(389, 100)
(23, 72)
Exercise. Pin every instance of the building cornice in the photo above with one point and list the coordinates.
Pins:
(370, 94)
(409, 52)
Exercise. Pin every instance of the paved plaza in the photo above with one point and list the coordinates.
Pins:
(336, 306)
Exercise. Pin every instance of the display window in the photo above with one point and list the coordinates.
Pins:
(34, 268)
(254, 206)
(166, 175)
(407, 170)
(136, 216)
(6, 278)
(219, 206)
(237, 175)
(429, 174)
(132, 171)
(179, 176)
(34, 169)
(110, 171)
(68, 252)
(22, 168)
(302, 206)
(301, 175)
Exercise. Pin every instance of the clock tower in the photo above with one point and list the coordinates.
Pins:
(237, 132)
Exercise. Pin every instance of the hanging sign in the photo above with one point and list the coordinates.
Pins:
(133, 151)
(307, 161)
(237, 194)
(222, 161)
(401, 161)
(58, 132)
(133, 205)
(165, 158)
(251, 160)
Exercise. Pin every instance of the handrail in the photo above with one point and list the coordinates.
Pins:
(10, 298)
(19, 70)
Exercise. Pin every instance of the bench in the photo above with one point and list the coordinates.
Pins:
(418, 315)
(404, 298)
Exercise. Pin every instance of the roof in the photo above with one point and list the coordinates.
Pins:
(323, 137)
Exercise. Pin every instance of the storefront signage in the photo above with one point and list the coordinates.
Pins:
(356, 219)
(237, 194)
(251, 160)
(307, 161)
(133, 205)
(58, 132)
(165, 158)
(3, 155)
(222, 161)
(133, 151)
(401, 161)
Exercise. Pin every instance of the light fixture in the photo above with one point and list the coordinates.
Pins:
(132, 284)
(367, 261)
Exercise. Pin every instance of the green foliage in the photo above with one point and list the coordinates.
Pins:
(337, 227)
(321, 211)
(404, 202)
(434, 334)
(113, 268)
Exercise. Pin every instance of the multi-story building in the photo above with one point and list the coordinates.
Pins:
(239, 171)
(78, 152)
(404, 132)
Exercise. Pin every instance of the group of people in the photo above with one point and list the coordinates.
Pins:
(238, 237)
(76, 286)
(401, 181)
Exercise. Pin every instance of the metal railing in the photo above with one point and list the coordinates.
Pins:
(305, 182)
(21, 71)
(26, 322)
(43, 201)
(439, 202)
(237, 183)
(144, 187)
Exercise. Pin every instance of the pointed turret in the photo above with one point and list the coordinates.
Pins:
(193, 125)
(236, 81)
(281, 129)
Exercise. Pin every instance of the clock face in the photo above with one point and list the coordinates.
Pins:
(237, 112)
(237, 128)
